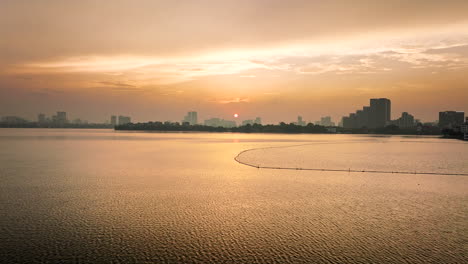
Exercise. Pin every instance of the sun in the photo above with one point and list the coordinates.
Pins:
(236, 115)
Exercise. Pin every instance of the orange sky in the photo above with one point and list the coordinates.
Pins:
(156, 60)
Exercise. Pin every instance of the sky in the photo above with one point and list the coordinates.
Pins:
(156, 60)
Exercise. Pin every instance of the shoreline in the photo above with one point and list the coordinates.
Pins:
(242, 132)
(229, 130)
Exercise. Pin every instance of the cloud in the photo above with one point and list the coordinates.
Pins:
(172, 28)
(118, 84)
(234, 100)
(302, 60)
(128, 89)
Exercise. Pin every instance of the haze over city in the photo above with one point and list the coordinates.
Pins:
(273, 59)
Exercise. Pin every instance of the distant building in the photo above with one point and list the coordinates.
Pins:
(124, 120)
(362, 117)
(405, 121)
(113, 120)
(378, 114)
(13, 120)
(451, 119)
(300, 122)
(353, 120)
(217, 122)
(60, 119)
(258, 120)
(464, 129)
(326, 121)
(345, 122)
(41, 118)
(191, 118)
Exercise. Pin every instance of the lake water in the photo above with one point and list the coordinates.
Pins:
(99, 196)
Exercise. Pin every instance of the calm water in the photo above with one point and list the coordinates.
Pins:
(99, 196)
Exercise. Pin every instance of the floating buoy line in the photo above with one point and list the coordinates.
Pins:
(237, 159)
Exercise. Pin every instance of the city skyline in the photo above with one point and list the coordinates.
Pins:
(301, 58)
(366, 117)
(192, 118)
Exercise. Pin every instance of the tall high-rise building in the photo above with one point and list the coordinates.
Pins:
(380, 112)
(191, 118)
(113, 120)
(450, 119)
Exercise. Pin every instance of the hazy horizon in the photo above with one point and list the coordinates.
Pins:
(272, 59)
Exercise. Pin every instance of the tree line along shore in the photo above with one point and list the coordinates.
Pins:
(279, 128)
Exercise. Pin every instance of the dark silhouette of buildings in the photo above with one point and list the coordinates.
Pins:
(378, 114)
(451, 119)
(60, 119)
(464, 129)
(351, 121)
(362, 117)
(405, 121)
(13, 120)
